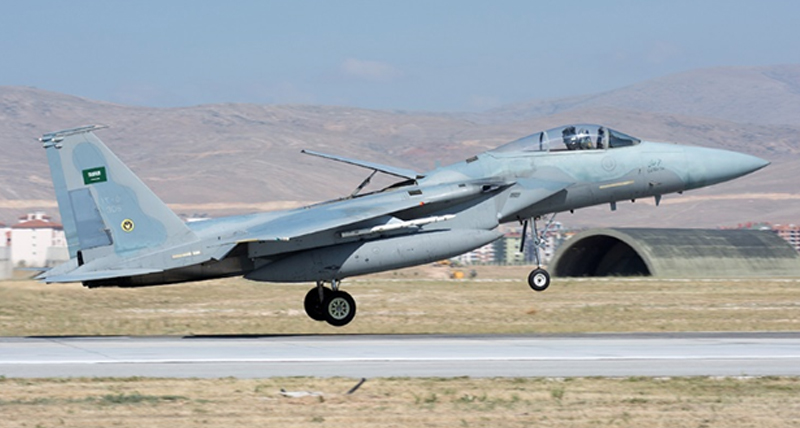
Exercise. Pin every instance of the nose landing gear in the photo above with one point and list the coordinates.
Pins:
(539, 278)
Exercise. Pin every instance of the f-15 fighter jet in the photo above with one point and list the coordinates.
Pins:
(121, 234)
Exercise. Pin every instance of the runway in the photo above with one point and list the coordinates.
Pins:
(608, 355)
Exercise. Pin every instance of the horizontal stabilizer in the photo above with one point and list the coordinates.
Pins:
(397, 172)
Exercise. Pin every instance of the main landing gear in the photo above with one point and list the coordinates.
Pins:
(539, 278)
(331, 305)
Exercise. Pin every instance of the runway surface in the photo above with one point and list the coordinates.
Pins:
(617, 355)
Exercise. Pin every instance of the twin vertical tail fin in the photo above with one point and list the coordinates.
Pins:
(105, 208)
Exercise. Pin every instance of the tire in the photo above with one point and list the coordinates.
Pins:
(539, 279)
(339, 308)
(312, 304)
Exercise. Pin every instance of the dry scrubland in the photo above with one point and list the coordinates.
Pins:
(418, 300)
(173, 403)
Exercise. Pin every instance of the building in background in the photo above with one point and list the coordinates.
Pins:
(6, 267)
(507, 249)
(790, 233)
(480, 256)
(5, 235)
(36, 241)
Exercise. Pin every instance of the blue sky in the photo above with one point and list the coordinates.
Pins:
(409, 55)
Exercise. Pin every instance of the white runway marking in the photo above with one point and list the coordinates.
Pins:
(721, 354)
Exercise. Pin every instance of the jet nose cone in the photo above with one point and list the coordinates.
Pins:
(757, 163)
(739, 164)
(711, 166)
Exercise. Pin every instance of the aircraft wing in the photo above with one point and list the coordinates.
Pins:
(335, 216)
(391, 170)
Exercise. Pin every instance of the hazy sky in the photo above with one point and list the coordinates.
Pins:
(415, 55)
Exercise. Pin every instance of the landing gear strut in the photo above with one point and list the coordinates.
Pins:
(538, 279)
(331, 305)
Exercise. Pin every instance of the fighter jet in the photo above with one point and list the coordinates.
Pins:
(120, 234)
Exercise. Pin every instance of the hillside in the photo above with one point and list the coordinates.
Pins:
(234, 158)
(759, 95)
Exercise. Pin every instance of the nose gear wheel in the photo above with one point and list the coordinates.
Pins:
(539, 280)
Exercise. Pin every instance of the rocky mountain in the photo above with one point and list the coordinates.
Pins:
(235, 158)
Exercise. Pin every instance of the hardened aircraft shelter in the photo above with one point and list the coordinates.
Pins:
(676, 253)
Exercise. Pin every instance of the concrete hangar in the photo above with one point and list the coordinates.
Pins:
(676, 253)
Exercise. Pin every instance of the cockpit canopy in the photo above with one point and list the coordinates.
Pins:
(571, 137)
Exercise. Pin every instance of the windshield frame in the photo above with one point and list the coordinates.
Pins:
(573, 137)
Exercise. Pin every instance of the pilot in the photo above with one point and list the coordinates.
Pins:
(600, 135)
(585, 140)
(568, 135)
